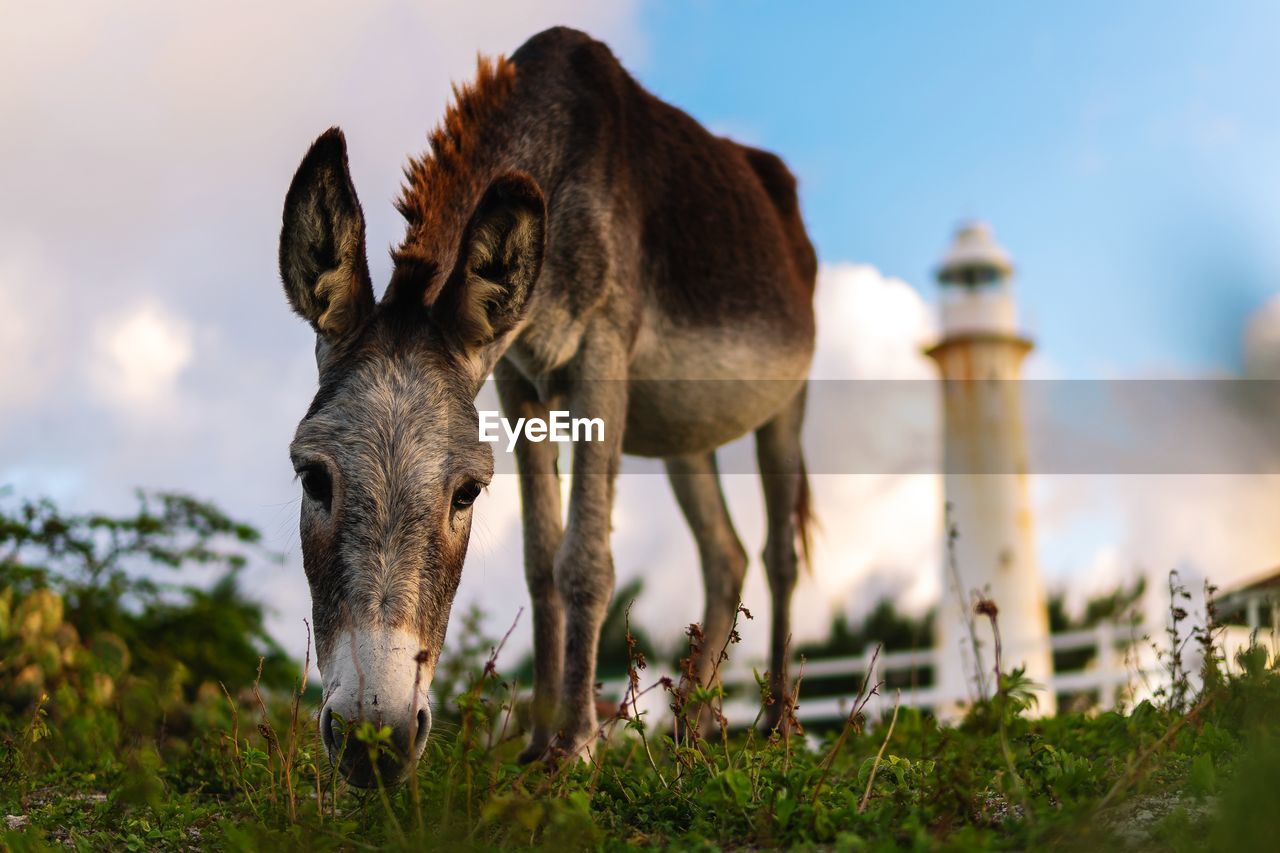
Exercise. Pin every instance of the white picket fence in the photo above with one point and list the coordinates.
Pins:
(1108, 671)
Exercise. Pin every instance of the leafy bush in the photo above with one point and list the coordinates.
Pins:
(96, 654)
(103, 573)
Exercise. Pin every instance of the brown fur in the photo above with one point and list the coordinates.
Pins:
(599, 251)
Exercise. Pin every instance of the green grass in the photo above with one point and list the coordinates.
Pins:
(99, 768)
(136, 716)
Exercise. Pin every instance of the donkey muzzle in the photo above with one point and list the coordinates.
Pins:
(376, 713)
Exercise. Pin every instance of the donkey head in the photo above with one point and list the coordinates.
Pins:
(388, 454)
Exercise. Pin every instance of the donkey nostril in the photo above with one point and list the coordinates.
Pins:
(421, 732)
(326, 731)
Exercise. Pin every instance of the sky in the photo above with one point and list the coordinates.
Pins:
(1126, 154)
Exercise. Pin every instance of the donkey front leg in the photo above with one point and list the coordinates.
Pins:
(538, 463)
(584, 563)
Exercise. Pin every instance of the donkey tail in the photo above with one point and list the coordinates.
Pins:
(805, 520)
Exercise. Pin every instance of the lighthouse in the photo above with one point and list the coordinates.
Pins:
(990, 546)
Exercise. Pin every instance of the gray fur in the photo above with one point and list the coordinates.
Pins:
(662, 284)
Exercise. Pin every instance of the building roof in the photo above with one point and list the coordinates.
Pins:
(1265, 581)
(974, 257)
(1240, 604)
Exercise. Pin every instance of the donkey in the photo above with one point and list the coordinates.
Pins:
(594, 250)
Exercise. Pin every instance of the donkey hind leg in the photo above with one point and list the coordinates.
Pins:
(543, 531)
(695, 479)
(781, 463)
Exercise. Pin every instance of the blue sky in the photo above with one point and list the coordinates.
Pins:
(1125, 152)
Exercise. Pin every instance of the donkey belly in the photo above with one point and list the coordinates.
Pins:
(677, 417)
(691, 391)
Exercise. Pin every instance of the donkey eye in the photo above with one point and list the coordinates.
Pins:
(317, 484)
(466, 495)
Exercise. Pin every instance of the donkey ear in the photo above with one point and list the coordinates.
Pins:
(322, 255)
(499, 262)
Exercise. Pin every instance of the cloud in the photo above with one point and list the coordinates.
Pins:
(140, 356)
(157, 183)
(871, 326)
(881, 533)
(144, 338)
(147, 151)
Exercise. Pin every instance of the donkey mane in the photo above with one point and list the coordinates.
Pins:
(443, 185)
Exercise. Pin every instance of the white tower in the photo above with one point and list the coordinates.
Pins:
(980, 358)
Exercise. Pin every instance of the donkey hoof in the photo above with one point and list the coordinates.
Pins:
(535, 751)
(567, 749)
